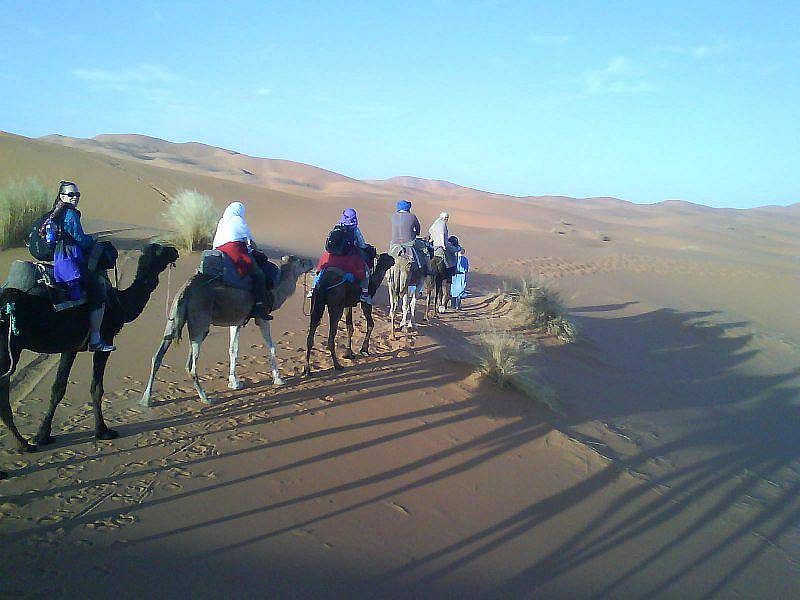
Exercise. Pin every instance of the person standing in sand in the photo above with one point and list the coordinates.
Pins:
(458, 285)
(234, 239)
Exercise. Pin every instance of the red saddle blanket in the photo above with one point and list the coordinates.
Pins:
(351, 263)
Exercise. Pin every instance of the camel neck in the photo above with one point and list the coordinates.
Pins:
(134, 298)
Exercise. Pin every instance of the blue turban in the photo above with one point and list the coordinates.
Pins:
(404, 205)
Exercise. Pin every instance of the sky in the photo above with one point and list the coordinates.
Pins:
(644, 101)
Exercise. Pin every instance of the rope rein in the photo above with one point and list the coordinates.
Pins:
(306, 299)
(169, 285)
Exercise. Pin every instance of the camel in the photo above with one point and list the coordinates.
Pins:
(404, 274)
(337, 293)
(29, 322)
(201, 303)
(438, 285)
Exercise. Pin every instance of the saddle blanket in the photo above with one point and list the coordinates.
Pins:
(37, 279)
(351, 263)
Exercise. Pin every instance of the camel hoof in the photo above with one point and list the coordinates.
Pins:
(145, 401)
(235, 384)
(107, 434)
(44, 440)
(206, 400)
(338, 367)
(278, 381)
(28, 448)
(349, 356)
(364, 352)
(307, 372)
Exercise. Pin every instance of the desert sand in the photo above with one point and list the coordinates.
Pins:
(672, 469)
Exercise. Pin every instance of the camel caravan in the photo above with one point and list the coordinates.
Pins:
(64, 302)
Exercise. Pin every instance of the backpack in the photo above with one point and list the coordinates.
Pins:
(341, 241)
(38, 245)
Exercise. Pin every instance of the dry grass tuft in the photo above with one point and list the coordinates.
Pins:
(193, 218)
(502, 359)
(21, 203)
(537, 304)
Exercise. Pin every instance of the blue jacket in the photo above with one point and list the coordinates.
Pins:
(73, 228)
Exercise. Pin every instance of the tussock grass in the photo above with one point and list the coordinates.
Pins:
(502, 358)
(537, 304)
(21, 203)
(193, 218)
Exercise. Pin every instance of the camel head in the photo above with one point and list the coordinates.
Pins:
(154, 259)
(385, 262)
(295, 266)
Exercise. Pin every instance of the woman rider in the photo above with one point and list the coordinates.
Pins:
(71, 260)
(233, 238)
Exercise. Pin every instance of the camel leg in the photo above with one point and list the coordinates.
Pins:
(317, 310)
(367, 308)
(191, 367)
(101, 430)
(350, 329)
(392, 306)
(406, 308)
(156, 365)
(334, 315)
(8, 417)
(266, 332)
(233, 354)
(57, 392)
(413, 307)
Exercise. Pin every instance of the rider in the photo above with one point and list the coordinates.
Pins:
(71, 259)
(352, 245)
(233, 238)
(405, 229)
(442, 246)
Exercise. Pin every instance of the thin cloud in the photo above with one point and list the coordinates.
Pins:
(619, 76)
(699, 51)
(262, 91)
(139, 74)
(548, 40)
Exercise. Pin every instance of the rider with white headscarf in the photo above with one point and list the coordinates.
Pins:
(441, 244)
(233, 238)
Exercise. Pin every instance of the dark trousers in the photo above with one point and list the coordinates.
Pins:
(94, 288)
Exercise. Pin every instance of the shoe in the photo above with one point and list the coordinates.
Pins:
(101, 347)
(365, 297)
(258, 312)
(310, 293)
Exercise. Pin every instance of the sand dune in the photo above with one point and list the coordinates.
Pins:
(673, 470)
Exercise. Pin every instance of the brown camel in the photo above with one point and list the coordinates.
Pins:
(337, 293)
(202, 303)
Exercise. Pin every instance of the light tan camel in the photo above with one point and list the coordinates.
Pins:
(405, 274)
(202, 303)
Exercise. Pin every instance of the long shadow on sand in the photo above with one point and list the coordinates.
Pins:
(732, 444)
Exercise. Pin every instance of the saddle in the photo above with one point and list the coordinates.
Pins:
(217, 266)
(37, 279)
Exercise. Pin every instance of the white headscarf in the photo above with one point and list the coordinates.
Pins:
(232, 226)
(438, 231)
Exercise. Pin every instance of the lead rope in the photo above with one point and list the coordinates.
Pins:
(8, 309)
(169, 285)
(305, 296)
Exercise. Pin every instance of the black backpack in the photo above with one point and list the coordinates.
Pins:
(341, 241)
(38, 245)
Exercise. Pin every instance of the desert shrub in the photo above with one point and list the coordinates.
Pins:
(535, 303)
(21, 203)
(503, 358)
(193, 218)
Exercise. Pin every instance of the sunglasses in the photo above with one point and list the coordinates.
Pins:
(71, 194)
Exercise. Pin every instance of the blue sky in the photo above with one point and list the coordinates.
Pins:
(644, 101)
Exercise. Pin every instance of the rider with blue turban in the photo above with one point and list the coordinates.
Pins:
(405, 232)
